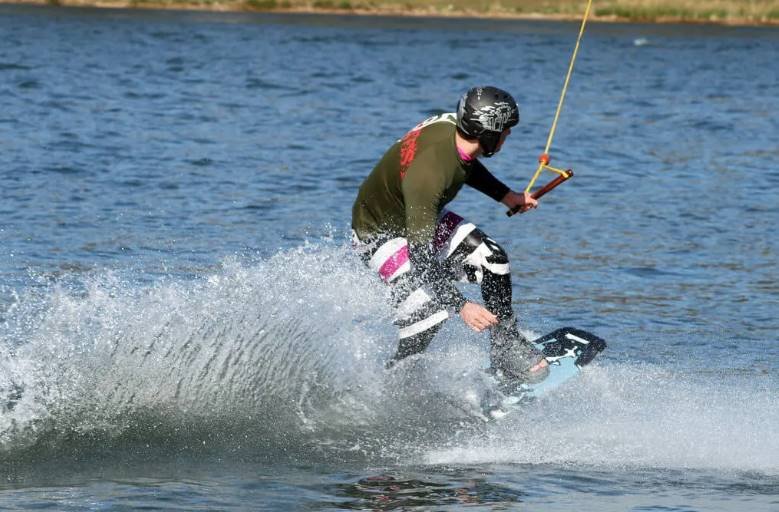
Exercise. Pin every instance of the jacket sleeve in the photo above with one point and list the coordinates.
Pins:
(422, 189)
(483, 180)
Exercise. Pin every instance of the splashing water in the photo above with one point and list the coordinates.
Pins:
(630, 416)
(285, 357)
(267, 344)
(282, 355)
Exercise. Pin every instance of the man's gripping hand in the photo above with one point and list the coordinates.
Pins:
(477, 317)
(523, 201)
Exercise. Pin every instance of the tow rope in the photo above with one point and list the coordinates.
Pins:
(544, 158)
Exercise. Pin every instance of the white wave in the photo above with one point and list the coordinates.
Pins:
(277, 341)
(628, 416)
(286, 356)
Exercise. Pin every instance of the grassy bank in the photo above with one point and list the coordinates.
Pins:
(751, 12)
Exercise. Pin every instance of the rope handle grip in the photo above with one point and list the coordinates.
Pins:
(538, 194)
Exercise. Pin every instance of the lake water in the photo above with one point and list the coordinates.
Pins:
(183, 325)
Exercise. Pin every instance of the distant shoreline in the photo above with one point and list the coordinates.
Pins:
(565, 10)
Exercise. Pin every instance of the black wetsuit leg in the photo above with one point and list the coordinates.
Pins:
(483, 260)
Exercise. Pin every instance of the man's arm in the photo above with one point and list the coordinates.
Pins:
(485, 182)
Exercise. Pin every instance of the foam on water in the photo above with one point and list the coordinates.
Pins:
(247, 345)
(631, 416)
(285, 357)
(281, 355)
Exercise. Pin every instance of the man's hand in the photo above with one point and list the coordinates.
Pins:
(523, 201)
(477, 317)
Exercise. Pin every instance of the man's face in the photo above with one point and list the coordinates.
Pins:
(503, 137)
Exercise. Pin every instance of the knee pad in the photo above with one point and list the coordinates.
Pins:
(485, 255)
(498, 256)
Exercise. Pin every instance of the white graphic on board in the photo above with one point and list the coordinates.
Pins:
(569, 352)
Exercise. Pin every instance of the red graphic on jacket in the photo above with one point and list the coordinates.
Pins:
(408, 150)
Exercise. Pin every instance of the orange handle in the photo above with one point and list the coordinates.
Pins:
(538, 194)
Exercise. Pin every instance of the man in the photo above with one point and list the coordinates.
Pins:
(403, 232)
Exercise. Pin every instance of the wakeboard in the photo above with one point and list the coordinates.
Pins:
(567, 350)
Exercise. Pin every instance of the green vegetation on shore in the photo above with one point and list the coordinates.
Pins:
(701, 11)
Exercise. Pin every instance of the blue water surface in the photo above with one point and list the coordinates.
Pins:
(181, 316)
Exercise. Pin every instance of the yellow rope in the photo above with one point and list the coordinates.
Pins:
(544, 159)
(562, 172)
